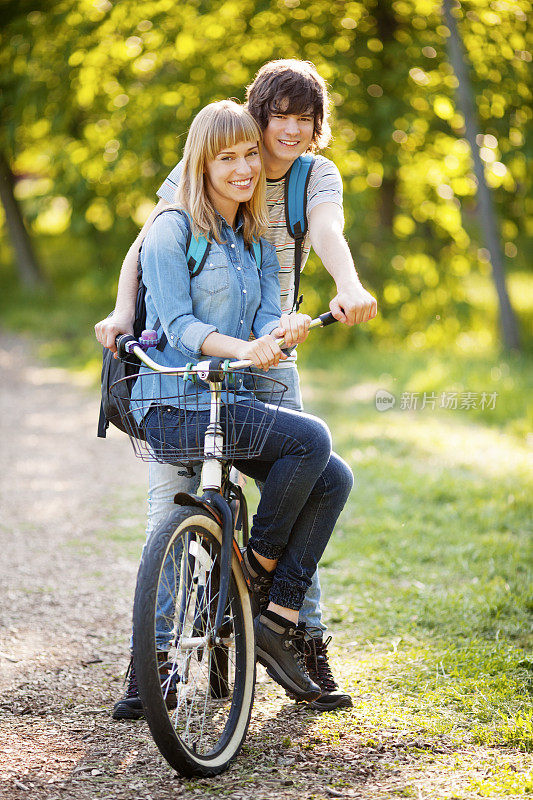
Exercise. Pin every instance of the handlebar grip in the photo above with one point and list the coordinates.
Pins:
(121, 341)
(327, 319)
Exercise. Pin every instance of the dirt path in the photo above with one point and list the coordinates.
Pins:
(71, 532)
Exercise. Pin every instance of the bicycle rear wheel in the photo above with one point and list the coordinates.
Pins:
(199, 711)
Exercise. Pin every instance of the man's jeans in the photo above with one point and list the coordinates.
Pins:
(165, 482)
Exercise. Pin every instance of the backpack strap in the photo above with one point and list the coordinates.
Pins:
(296, 183)
(196, 252)
(257, 249)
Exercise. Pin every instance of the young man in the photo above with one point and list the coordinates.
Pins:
(289, 100)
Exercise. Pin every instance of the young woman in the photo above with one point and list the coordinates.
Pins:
(306, 486)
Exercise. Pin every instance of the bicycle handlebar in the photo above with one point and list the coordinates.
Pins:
(128, 345)
(326, 319)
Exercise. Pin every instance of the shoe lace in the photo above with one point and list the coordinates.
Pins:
(132, 689)
(318, 665)
(298, 645)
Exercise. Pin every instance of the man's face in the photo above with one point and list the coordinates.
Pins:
(287, 136)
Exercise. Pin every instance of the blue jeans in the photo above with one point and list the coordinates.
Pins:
(305, 489)
(165, 481)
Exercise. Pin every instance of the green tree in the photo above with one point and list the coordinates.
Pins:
(97, 98)
(485, 207)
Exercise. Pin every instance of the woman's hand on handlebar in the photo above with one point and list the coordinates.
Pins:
(264, 352)
(109, 328)
(293, 328)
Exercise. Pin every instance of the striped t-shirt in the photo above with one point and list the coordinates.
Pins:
(325, 186)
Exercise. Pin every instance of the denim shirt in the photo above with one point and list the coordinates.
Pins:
(230, 295)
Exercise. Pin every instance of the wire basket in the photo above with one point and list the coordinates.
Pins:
(172, 428)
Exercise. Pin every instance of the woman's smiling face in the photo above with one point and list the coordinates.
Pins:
(232, 175)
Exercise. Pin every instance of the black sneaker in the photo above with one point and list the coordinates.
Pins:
(260, 586)
(130, 706)
(278, 647)
(316, 660)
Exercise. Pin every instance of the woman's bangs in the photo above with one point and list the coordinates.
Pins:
(228, 129)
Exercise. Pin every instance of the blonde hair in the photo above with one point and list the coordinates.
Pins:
(216, 127)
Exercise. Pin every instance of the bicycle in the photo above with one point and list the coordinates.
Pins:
(193, 640)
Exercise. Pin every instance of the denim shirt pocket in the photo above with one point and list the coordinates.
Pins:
(214, 277)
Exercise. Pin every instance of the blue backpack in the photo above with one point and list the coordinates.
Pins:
(296, 183)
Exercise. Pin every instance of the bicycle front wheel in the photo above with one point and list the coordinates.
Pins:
(197, 695)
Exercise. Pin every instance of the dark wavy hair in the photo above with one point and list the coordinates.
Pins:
(290, 86)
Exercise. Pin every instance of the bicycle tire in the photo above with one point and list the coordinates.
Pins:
(215, 669)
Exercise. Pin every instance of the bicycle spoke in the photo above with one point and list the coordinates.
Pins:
(195, 599)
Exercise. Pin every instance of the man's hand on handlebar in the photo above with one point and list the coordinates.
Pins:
(293, 328)
(264, 352)
(109, 328)
(353, 305)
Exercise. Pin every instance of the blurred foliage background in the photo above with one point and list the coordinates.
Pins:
(97, 97)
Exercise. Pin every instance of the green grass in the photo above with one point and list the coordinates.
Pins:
(364, 369)
(427, 579)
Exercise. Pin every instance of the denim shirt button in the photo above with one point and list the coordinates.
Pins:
(238, 267)
(233, 245)
(244, 291)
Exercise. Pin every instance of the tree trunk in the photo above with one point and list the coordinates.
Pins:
(387, 25)
(28, 268)
(387, 197)
(485, 209)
